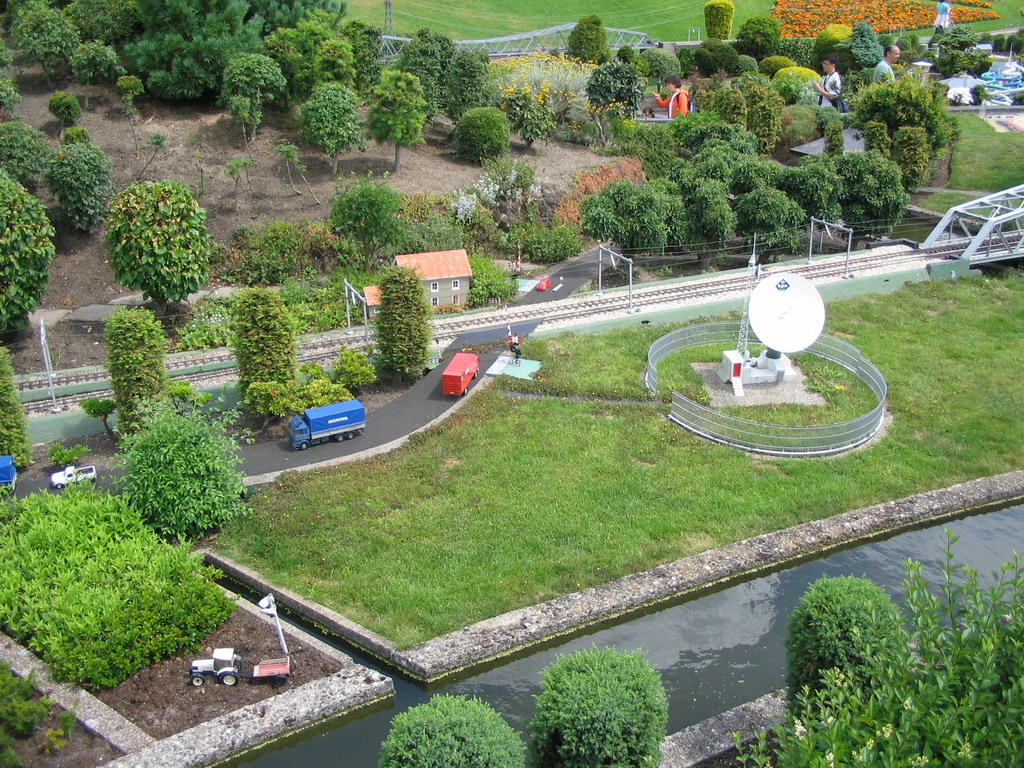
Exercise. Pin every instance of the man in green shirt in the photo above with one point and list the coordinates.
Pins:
(883, 69)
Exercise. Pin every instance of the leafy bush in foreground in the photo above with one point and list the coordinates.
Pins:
(96, 594)
(599, 707)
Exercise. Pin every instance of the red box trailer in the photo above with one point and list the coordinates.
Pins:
(462, 369)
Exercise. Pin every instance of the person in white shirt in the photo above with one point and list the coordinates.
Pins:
(831, 85)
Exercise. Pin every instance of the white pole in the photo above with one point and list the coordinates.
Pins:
(48, 365)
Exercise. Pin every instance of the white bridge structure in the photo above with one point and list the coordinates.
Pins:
(990, 228)
(553, 39)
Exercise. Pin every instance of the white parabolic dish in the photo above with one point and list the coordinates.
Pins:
(786, 312)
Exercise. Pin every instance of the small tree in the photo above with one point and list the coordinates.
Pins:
(398, 111)
(714, 56)
(870, 190)
(429, 56)
(490, 283)
(101, 409)
(907, 102)
(9, 98)
(402, 324)
(290, 154)
(864, 46)
(95, 63)
(330, 121)
(26, 242)
(158, 240)
(777, 221)
(46, 35)
(718, 16)
(136, 346)
(263, 336)
(352, 370)
(14, 440)
(613, 89)
(814, 185)
(235, 167)
(910, 153)
(764, 110)
(599, 707)
(81, 177)
(758, 37)
(834, 38)
(23, 152)
(451, 731)
(369, 212)
(180, 471)
(466, 84)
(632, 216)
(128, 89)
(876, 137)
(528, 115)
(588, 41)
(709, 218)
(251, 80)
(113, 21)
(65, 107)
(157, 141)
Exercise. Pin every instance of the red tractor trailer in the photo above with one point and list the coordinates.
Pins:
(462, 369)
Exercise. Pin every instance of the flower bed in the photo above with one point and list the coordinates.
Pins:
(805, 18)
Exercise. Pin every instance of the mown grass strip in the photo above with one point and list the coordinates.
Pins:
(512, 501)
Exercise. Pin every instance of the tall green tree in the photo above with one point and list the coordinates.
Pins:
(46, 35)
(429, 56)
(398, 111)
(864, 45)
(309, 55)
(588, 41)
(187, 44)
(26, 251)
(365, 40)
(402, 324)
(870, 190)
(613, 90)
(330, 121)
(368, 211)
(251, 81)
(180, 471)
(263, 338)
(136, 347)
(633, 216)
(288, 13)
(13, 422)
(466, 85)
(80, 176)
(158, 240)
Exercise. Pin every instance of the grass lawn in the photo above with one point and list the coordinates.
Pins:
(512, 501)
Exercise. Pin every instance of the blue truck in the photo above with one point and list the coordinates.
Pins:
(8, 475)
(338, 421)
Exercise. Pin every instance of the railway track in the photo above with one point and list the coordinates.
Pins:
(204, 369)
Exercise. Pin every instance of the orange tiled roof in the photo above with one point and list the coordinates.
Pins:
(372, 295)
(437, 265)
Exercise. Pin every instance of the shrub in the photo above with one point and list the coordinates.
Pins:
(598, 707)
(654, 145)
(451, 731)
(799, 49)
(269, 254)
(660, 63)
(685, 56)
(718, 15)
(208, 326)
(907, 102)
(101, 409)
(529, 116)
(633, 216)
(250, 82)
(46, 35)
(764, 108)
(112, 21)
(180, 471)
(568, 210)
(75, 134)
(187, 45)
(758, 37)
(490, 284)
(431, 57)
(709, 219)
(588, 41)
(814, 185)
(13, 422)
(402, 324)
(864, 46)
(746, 64)
(481, 134)
(836, 617)
(9, 98)
(64, 107)
(466, 85)
(734, 136)
(834, 38)
(805, 74)
(614, 90)
(23, 152)
(751, 172)
(772, 64)
(631, 57)
(776, 219)
(288, 13)
(910, 152)
(792, 87)
(91, 565)
(62, 456)
(95, 63)
(367, 211)
(713, 56)
(311, 52)
(26, 241)
(799, 125)
(729, 104)
(876, 137)
(158, 241)
(80, 176)
(263, 338)
(545, 244)
(352, 370)
(136, 346)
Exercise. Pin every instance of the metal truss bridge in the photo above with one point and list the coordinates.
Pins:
(551, 39)
(991, 227)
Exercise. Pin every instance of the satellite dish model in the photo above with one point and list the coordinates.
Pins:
(787, 314)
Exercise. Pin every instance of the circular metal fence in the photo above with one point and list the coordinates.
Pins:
(774, 439)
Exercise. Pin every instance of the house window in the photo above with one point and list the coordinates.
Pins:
(455, 285)
(433, 300)
(455, 299)
(435, 287)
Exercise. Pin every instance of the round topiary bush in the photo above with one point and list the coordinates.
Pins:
(773, 64)
(718, 15)
(828, 41)
(481, 134)
(76, 134)
(65, 107)
(451, 731)
(758, 36)
(714, 55)
(746, 64)
(835, 620)
(660, 63)
(599, 707)
(801, 72)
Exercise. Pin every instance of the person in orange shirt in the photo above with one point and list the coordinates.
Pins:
(678, 100)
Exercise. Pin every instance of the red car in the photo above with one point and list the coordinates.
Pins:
(544, 284)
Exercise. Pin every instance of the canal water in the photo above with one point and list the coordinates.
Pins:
(714, 652)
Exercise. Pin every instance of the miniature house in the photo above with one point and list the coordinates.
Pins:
(372, 295)
(445, 275)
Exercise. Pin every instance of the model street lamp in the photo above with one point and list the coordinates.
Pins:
(268, 607)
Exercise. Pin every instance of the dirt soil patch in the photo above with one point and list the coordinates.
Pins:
(162, 701)
(82, 748)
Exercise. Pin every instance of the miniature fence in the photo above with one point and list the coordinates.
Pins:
(778, 440)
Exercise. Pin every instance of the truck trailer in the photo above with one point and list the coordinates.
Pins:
(462, 369)
(338, 421)
(8, 475)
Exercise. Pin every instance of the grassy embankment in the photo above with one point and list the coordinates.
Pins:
(984, 160)
(512, 501)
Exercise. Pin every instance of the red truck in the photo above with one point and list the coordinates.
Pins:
(462, 369)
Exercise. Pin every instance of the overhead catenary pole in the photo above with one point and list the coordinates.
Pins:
(48, 365)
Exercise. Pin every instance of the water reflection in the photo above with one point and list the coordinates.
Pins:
(714, 652)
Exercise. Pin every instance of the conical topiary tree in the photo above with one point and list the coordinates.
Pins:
(13, 424)
(136, 345)
(588, 41)
(402, 324)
